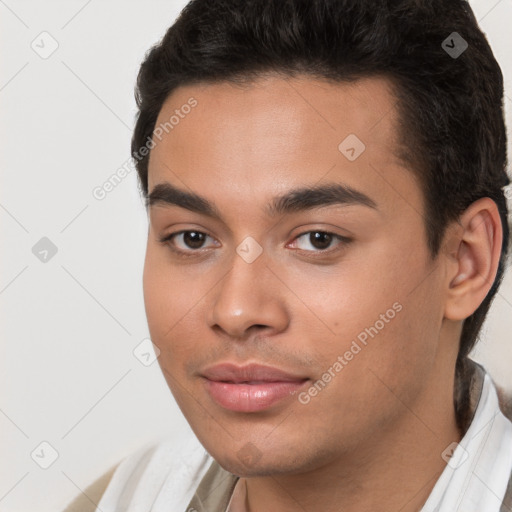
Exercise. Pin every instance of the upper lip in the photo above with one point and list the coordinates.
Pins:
(229, 372)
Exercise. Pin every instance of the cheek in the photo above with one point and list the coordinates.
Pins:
(343, 300)
(379, 310)
(163, 298)
(399, 326)
(156, 298)
(173, 302)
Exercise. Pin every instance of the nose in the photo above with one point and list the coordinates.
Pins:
(249, 297)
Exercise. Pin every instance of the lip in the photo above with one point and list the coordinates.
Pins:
(250, 388)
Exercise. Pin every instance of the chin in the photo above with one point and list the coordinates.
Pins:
(248, 470)
(248, 462)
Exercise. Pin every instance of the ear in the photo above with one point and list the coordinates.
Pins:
(474, 247)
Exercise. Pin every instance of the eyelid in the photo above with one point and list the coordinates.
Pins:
(342, 241)
(168, 238)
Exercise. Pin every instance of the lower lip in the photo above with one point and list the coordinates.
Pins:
(251, 397)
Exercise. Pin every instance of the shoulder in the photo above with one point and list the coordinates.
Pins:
(505, 401)
(90, 497)
(167, 472)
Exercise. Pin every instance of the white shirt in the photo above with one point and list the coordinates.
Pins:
(163, 476)
(476, 477)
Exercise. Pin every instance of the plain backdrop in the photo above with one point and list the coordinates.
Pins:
(73, 395)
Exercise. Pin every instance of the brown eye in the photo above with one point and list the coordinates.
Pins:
(318, 241)
(193, 239)
(187, 241)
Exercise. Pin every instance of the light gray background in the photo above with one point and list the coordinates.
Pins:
(70, 325)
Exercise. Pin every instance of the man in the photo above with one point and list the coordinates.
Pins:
(327, 229)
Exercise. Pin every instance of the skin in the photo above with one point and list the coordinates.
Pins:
(373, 437)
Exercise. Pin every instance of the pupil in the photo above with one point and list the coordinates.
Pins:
(320, 240)
(193, 239)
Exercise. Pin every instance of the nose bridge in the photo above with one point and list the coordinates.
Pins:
(249, 294)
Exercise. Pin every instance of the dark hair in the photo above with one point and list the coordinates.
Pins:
(452, 128)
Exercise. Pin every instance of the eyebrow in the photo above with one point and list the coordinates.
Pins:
(295, 200)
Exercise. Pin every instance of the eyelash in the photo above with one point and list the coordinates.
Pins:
(167, 240)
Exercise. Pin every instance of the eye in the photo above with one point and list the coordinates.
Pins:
(190, 242)
(183, 242)
(320, 241)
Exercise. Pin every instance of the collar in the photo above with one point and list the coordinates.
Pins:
(476, 475)
(478, 468)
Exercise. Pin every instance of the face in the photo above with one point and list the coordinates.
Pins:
(327, 305)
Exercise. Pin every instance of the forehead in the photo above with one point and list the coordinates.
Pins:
(260, 138)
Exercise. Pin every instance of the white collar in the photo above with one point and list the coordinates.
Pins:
(476, 476)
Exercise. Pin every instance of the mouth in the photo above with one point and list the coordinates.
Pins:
(250, 388)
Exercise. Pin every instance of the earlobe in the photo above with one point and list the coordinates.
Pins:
(479, 240)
